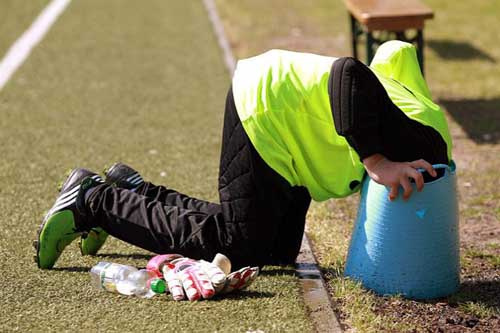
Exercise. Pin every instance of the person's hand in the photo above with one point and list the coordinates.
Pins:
(394, 174)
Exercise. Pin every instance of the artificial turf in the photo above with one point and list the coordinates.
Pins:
(138, 82)
(15, 17)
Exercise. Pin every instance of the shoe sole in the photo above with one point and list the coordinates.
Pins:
(96, 242)
(45, 230)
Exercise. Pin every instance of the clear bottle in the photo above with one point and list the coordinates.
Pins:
(126, 280)
(142, 283)
(108, 276)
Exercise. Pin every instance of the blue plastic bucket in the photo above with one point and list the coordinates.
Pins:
(407, 247)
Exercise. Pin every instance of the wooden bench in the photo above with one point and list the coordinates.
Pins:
(390, 19)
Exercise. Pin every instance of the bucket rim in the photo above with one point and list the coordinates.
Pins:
(449, 169)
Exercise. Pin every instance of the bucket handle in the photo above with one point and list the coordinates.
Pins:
(448, 167)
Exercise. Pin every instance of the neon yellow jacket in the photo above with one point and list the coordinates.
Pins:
(282, 101)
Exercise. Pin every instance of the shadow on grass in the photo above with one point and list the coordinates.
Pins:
(485, 292)
(278, 271)
(72, 269)
(125, 255)
(244, 294)
(479, 118)
(458, 50)
(334, 271)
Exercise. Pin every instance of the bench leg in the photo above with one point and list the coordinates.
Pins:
(369, 47)
(420, 49)
(354, 36)
(419, 41)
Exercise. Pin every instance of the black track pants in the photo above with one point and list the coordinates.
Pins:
(260, 218)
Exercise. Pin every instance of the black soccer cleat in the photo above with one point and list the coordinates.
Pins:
(64, 221)
(123, 176)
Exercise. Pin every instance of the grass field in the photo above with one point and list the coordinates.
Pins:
(15, 17)
(462, 56)
(138, 82)
(145, 84)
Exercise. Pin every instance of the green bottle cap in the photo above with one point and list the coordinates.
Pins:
(158, 286)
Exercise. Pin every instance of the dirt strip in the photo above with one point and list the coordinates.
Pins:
(316, 296)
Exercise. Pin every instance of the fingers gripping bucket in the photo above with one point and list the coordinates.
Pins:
(407, 247)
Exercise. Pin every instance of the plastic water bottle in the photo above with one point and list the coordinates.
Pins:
(126, 280)
(107, 276)
(142, 283)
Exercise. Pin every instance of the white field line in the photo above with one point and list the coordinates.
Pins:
(221, 35)
(21, 49)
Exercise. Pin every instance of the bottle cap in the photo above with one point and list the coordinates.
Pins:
(158, 286)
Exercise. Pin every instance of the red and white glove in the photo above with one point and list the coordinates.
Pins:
(196, 279)
(156, 263)
(187, 278)
(240, 279)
